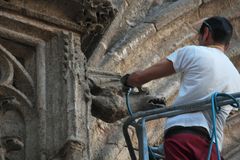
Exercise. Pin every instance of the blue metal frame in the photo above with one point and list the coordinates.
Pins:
(138, 121)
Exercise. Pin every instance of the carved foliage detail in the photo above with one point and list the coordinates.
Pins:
(75, 88)
(72, 58)
(94, 17)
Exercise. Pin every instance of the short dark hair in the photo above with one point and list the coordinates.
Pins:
(220, 28)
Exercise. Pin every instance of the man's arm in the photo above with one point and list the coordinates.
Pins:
(162, 69)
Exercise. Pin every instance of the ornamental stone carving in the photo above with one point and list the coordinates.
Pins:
(60, 65)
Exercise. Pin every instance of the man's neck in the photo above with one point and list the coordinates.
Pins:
(218, 46)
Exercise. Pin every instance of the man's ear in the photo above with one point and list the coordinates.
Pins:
(206, 34)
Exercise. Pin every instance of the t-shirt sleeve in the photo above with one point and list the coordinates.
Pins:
(182, 58)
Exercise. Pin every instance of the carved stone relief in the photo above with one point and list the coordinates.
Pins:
(14, 105)
(54, 114)
(57, 88)
(76, 90)
(108, 98)
(12, 136)
(139, 42)
(94, 17)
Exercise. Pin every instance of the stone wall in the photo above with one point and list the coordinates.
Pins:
(60, 67)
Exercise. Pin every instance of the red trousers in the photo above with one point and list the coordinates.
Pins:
(186, 146)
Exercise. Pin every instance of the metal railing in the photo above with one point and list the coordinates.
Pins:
(138, 121)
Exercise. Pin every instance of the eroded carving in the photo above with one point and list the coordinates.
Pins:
(8, 141)
(169, 24)
(16, 97)
(12, 134)
(22, 80)
(76, 91)
(94, 17)
(72, 58)
(12, 143)
(11, 68)
(108, 99)
(70, 147)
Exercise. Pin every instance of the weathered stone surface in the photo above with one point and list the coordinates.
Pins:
(36, 55)
(172, 33)
(108, 99)
(173, 11)
(130, 42)
(61, 62)
(94, 16)
(129, 15)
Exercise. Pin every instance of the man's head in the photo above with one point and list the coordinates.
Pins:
(215, 30)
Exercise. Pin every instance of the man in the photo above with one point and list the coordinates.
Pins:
(205, 69)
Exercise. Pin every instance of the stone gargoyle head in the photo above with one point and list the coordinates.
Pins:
(108, 98)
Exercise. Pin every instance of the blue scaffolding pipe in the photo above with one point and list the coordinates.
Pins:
(138, 120)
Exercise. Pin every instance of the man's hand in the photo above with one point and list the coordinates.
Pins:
(124, 80)
(137, 79)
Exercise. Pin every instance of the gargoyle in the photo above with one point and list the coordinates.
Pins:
(108, 98)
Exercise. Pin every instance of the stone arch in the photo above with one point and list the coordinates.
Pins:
(18, 115)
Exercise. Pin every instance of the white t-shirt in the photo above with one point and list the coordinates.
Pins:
(204, 71)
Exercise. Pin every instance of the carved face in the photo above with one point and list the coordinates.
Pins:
(12, 133)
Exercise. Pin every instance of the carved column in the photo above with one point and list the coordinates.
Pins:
(68, 101)
(77, 103)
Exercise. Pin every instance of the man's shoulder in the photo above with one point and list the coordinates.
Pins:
(193, 47)
(189, 48)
